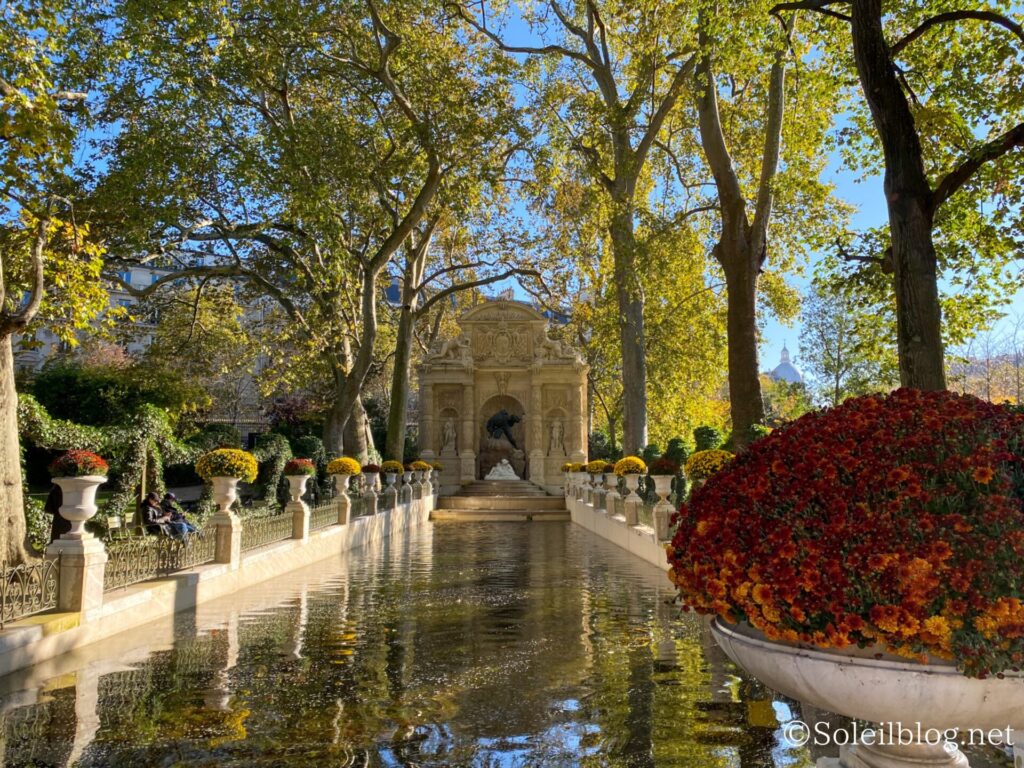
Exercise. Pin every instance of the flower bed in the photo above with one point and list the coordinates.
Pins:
(631, 465)
(299, 468)
(663, 467)
(703, 464)
(344, 466)
(893, 521)
(227, 462)
(392, 467)
(78, 464)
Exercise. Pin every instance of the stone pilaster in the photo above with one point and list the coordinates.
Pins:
(229, 538)
(300, 519)
(467, 454)
(427, 425)
(344, 506)
(82, 564)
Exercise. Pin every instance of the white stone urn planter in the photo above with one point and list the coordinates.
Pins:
(390, 478)
(663, 487)
(407, 477)
(225, 493)
(78, 502)
(885, 691)
(341, 483)
(632, 482)
(373, 482)
(297, 487)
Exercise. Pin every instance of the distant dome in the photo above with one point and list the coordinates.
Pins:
(786, 371)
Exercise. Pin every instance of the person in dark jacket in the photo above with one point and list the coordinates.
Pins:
(157, 520)
(60, 524)
(169, 504)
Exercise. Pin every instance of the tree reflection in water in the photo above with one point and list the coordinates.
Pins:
(468, 644)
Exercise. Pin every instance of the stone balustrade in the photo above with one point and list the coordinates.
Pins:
(600, 507)
(82, 561)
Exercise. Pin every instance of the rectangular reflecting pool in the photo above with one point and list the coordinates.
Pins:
(465, 644)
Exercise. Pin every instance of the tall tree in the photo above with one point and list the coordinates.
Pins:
(295, 148)
(49, 268)
(623, 68)
(762, 133)
(443, 259)
(944, 99)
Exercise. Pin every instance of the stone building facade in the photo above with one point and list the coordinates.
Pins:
(503, 360)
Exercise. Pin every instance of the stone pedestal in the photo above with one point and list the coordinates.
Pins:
(300, 519)
(370, 502)
(344, 505)
(632, 511)
(229, 538)
(82, 563)
(907, 756)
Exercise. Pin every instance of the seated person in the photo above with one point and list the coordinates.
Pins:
(169, 505)
(156, 520)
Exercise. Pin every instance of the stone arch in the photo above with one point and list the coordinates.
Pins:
(491, 452)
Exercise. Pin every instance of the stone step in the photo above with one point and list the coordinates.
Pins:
(501, 488)
(500, 515)
(499, 493)
(501, 502)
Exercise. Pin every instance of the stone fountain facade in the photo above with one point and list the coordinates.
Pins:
(504, 359)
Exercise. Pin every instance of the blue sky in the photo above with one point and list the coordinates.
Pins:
(868, 197)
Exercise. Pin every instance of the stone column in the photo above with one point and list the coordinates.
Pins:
(576, 429)
(83, 561)
(467, 454)
(536, 438)
(229, 538)
(427, 422)
(300, 519)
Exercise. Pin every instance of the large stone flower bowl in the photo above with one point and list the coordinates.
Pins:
(885, 690)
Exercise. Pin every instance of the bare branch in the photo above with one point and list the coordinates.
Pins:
(21, 317)
(818, 6)
(951, 16)
(988, 152)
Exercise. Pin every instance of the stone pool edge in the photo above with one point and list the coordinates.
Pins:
(638, 540)
(45, 636)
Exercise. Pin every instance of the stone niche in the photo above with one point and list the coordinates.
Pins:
(503, 359)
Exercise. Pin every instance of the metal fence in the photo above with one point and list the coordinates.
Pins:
(139, 558)
(358, 508)
(323, 515)
(29, 588)
(261, 531)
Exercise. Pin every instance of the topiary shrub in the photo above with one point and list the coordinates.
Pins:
(677, 450)
(707, 438)
(650, 452)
